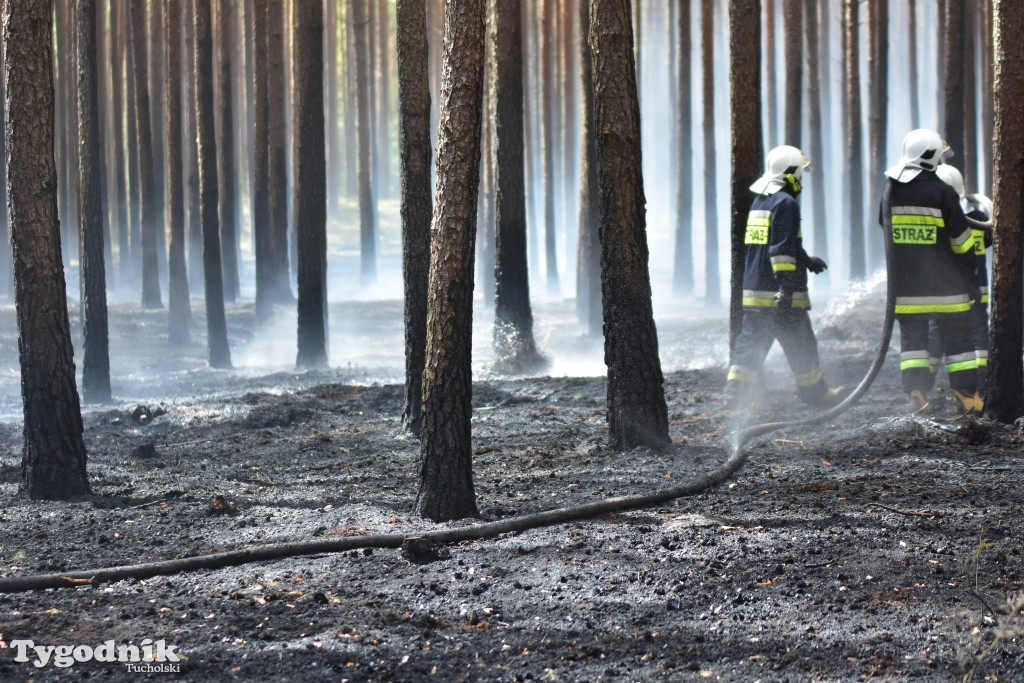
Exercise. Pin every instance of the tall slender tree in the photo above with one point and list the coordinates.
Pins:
(178, 304)
(191, 158)
(95, 347)
(816, 149)
(309, 189)
(446, 460)
(637, 413)
(772, 94)
(969, 159)
(416, 206)
(878, 119)
(854, 153)
(913, 80)
(53, 450)
(682, 279)
(793, 16)
(712, 295)
(226, 172)
(514, 346)
(588, 258)
(1004, 398)
(156, 110)
(216, 322)
(148, 201)
(260, 167)
(383, 118)
(364, 142)
(952, 62)
(277, 173)
(6, 272)
(547, 123)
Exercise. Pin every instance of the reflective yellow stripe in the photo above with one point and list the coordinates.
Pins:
(963, 243)
(910, 219)
(963, 365)
(903, 309)
(738, 373)
(915, 363)
(982, 362)
(810, 380)
(781, 267)
(770, 303)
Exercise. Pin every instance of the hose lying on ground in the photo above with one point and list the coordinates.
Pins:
(474, 531)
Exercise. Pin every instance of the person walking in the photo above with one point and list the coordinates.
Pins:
(775, 298)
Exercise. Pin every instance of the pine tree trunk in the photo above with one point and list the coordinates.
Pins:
(196, 280)
(156, 127)
(216, 323)
(969, 160)
(485, 279)
(682, 279)
(417, 205)
(912, 69)
(1004, 400)
(878, 119)
(854, 143)
(148, 201)
(132, 157)
(987, 109)
(792, 11)
(277, 174)
(364, 142)
(952, 62)
(772, 94)
(225, 100)
(637, 413)
(351, 179)
(260, 167)
(712, 295)
(588, 260)
(95, 347)
(178, 303)
(309, 189)
(747, 149)
(6, 269)
(107, 176)
(547, 79)
(446, 456)
(569, 118)
(816, 150)
(53, 450)
(118, 49)
(383, 103)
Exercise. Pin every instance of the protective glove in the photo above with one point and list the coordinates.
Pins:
(816, 265)
(784, 300)
(975, 293)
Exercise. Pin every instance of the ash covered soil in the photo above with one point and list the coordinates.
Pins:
(882, 545)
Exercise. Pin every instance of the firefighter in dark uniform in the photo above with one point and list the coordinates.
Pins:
(933, 252)
(775, 300)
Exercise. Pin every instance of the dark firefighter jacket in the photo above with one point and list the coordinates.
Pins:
(977, 216)
(775, 257)
(933, 246)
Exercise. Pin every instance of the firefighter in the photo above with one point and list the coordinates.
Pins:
(775, 301)
(977, 209)
(933, 252)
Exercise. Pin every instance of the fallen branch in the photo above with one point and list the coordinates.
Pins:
(908, 513)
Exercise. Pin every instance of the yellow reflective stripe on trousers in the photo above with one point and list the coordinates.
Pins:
(971, 364)
(956, 303)
(810, 379)
(739, 373)
(915, 363)
(783, 263)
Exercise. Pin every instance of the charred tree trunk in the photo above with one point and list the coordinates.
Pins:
(953, 70)
(547, 123)
(588, 259)
(53, 450)
(216, 323)
(514, 348)
(878, 119)
(6, 270)
(969, 160)
(178, 303)
(225, 100)
(95, 346)
(854, 154)
(637, 413)
(712, 295)
(682, 279)
(446, 457)
(309, 189)
(987, 109)
(814, 125)
(417, 205)
(260, 167)
(277, 174)
(793, 17)
(771, 86)
(364, 141)
(156, 111)
(747, 149)
(149, 204)
(1004, 399)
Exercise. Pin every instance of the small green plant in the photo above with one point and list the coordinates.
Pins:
(20, 557)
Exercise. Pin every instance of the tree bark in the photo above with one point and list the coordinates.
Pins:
(969, 159)
(547, 124)
(149, 204)
(816, 150)
(383, 103)
(6, 267)
(309, 189)
(191, 159)
(682, 279)
(225, 99)
(156, 110)
(952, 68)
(637, 413)
(95, 347)
(131, 148)
(446, 457)
(417, 205)
(515, 350)
(878, 119)
(277, 174)
(216, 323)
(1004, 399)
(260, 167)
(588, 259)
(854, 144)
(178, 303)
(771, 86)
(712, 292)
(364, 141)
(351, 188)
(53, 450)
(987, 108)
(792, 11)
(912, 68)
(747, 149)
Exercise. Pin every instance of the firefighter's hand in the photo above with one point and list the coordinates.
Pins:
(975, 294)
(784, 300)
(816, 265)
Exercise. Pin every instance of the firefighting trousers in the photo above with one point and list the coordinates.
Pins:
(759, 331)
(920, 352)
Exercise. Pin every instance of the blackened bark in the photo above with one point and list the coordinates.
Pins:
(446, 462)
(309, 189)
(216, 323)
(1004, 399)
(547, 124)
(747, 148)
(277, 174)
(364, 141)
(712, 294)
(260, 167)
(6, 271)
(792, 15)
(226, 173)
(95, 347)
(854, 143)
(178, 304)
(588, 257)
(878, 119)
(682, 279)
(987, 108)
(417, 205)
(969, 160)
(149, 202)
(637, 413)
(514, 347)
(53, 451)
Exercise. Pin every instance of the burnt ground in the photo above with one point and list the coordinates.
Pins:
(883, 545)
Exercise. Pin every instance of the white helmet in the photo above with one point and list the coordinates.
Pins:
(785, 166)
(979, 208)
(952, 177)
(923, 150)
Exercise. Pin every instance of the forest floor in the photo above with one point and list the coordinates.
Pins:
(882, 545)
